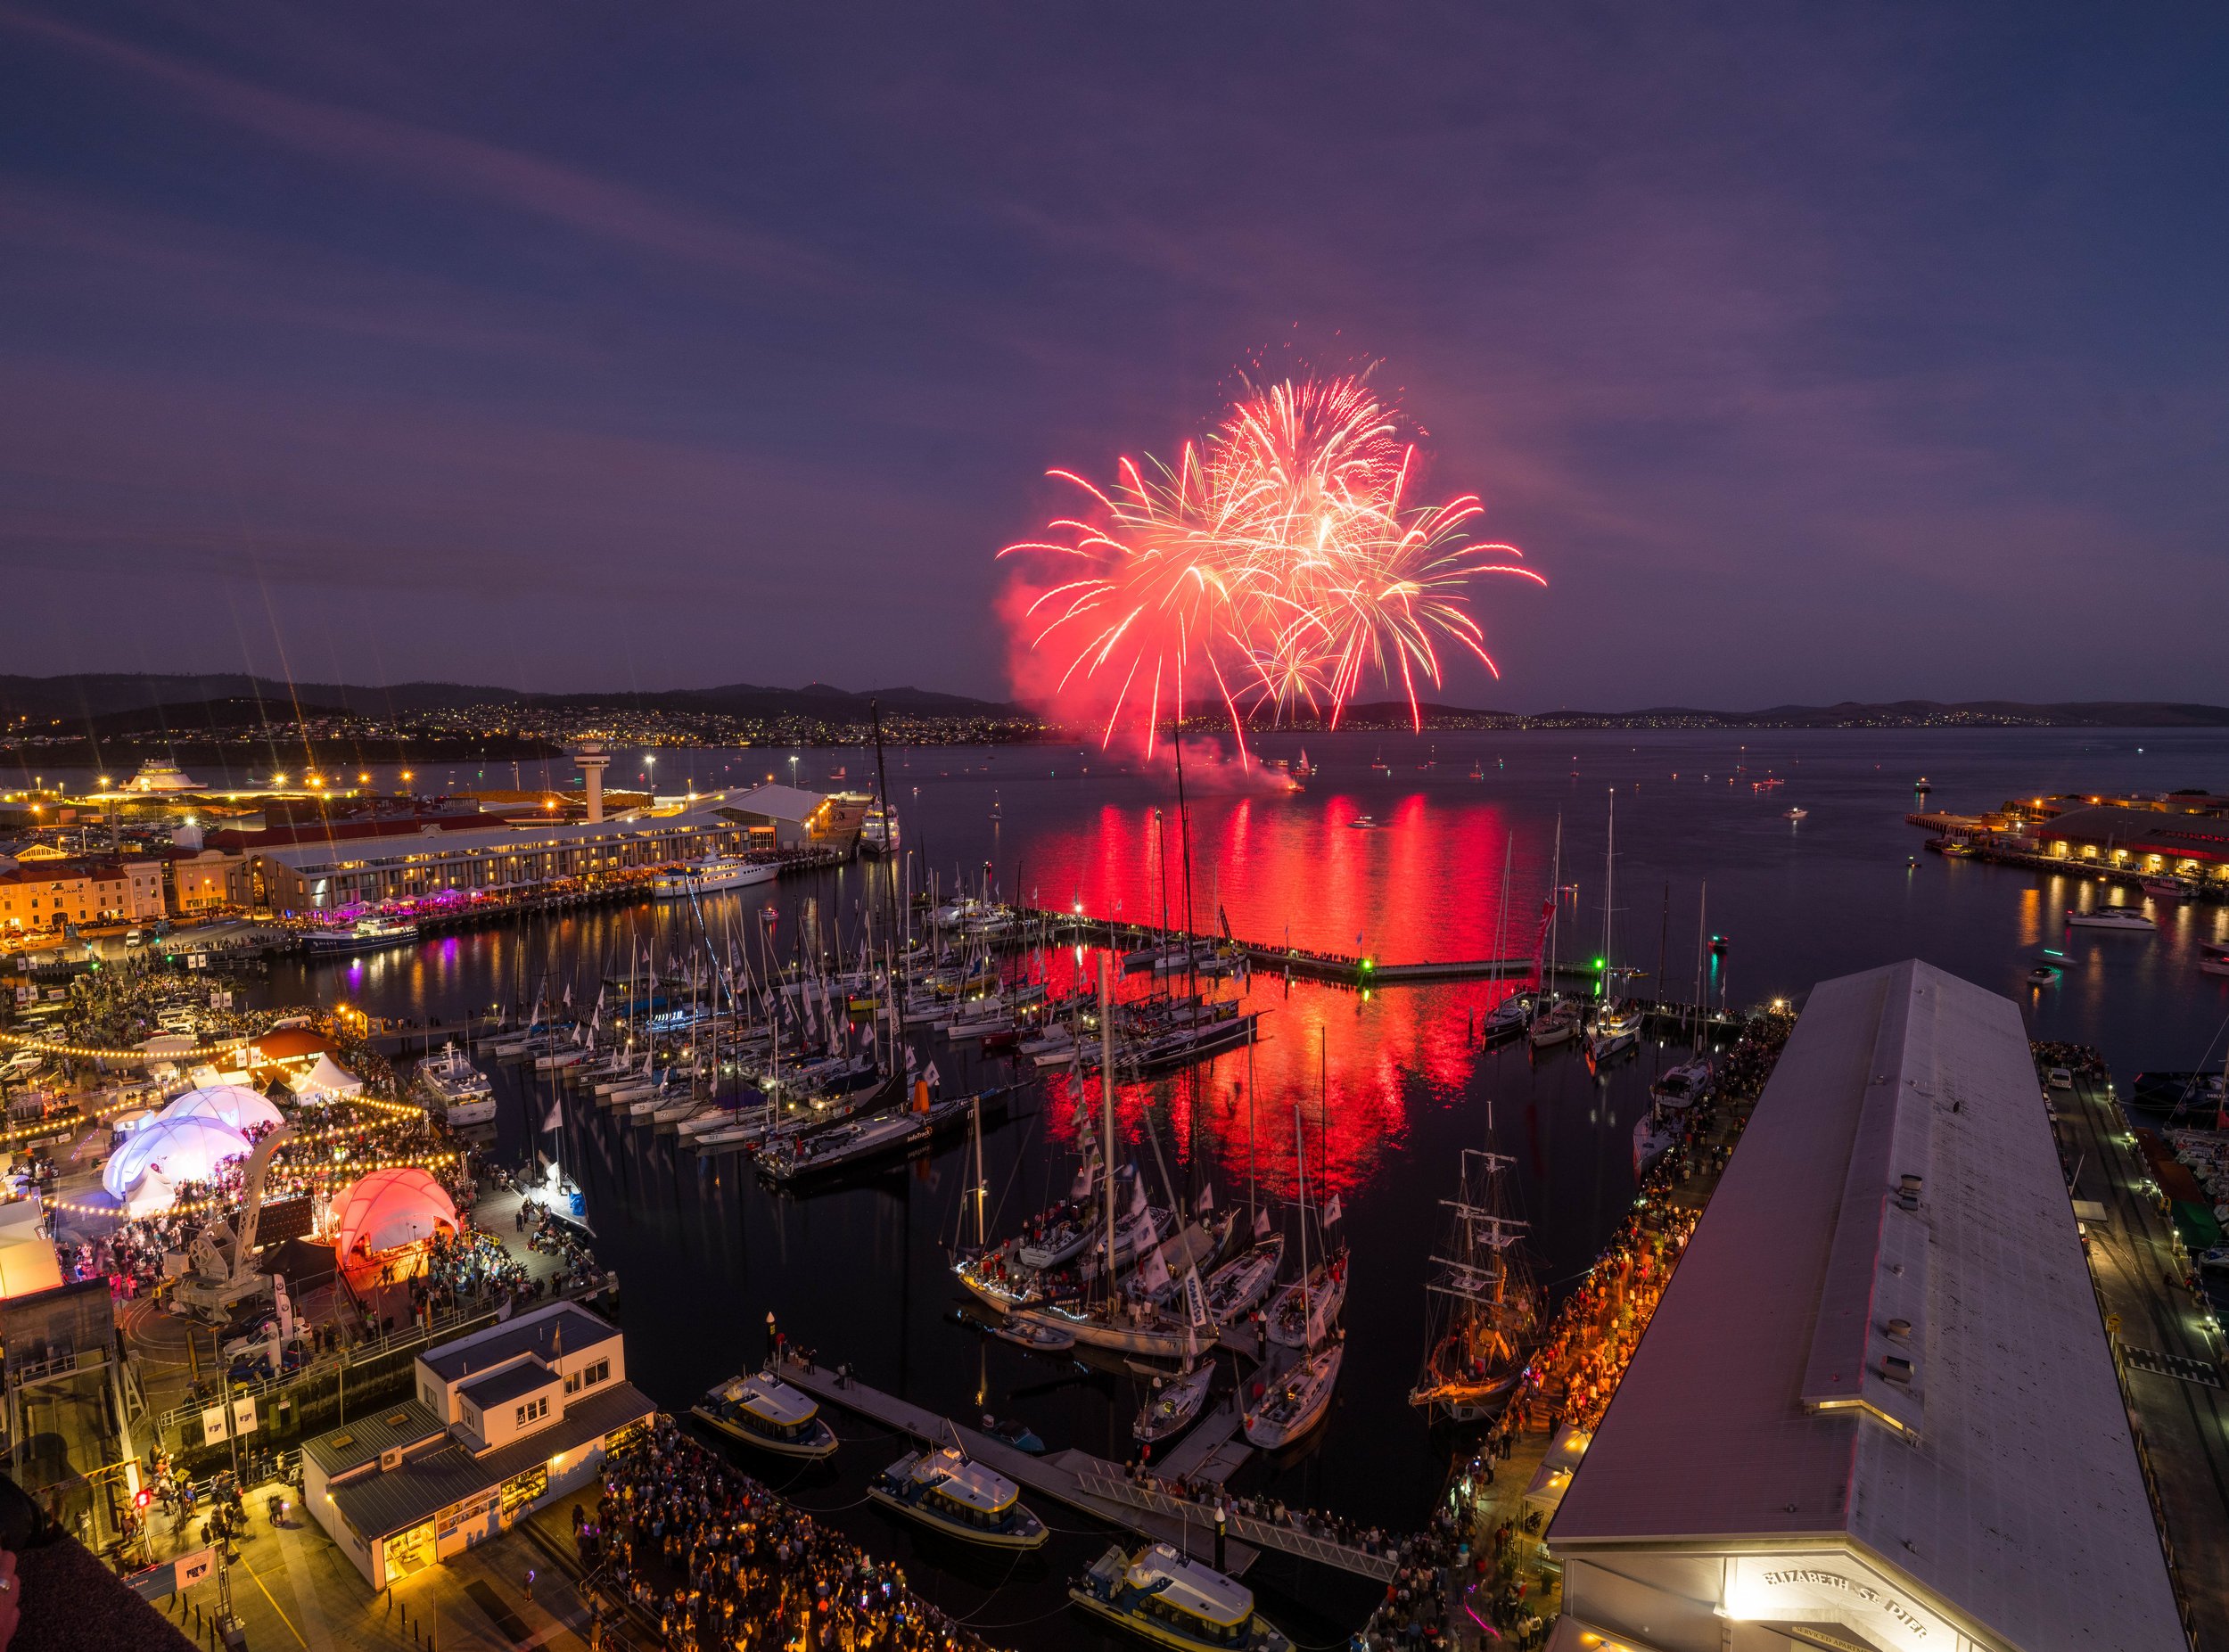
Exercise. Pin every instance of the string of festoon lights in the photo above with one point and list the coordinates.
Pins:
(280, 1184)
(88, 1052)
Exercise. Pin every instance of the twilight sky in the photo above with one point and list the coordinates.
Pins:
(1812, 352)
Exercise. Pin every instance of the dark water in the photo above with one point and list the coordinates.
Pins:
(1387, 1089)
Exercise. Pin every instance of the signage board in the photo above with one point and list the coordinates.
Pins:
(1830, 1587)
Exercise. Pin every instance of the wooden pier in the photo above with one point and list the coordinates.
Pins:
(1103, 1490)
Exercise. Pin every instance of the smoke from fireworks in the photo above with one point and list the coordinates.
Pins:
(1274, 565)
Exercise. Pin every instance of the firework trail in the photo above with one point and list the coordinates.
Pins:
(1281, 559)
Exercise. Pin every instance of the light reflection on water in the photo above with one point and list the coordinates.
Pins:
(1389, 1086)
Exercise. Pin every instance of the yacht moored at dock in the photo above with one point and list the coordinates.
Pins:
(948, 1492)
(711, 874)
(460, 1091)
(769, 1414)
(1174, 1600)
(366, 934)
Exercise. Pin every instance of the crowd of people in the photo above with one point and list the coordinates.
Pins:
(1273, 1511)
(1414, 1615)
(465, 1269)
(717, 1560)
(130, 1255)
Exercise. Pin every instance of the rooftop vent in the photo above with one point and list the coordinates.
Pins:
(396, 1419)
(1908, 1192)
(1900, 1328)
(1896, 1369)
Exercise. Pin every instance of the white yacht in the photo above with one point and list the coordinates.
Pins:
(711, 874)
(2122, 918)
(366, 934)
(460, 1091)
(1295, 1401)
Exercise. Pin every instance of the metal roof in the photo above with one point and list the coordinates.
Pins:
(528, 1375)
(775, 803)
(535, 1334)
(1995, 1469)
(354, 1444)
(397, 1499)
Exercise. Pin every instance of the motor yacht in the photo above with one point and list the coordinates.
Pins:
(459, 1091)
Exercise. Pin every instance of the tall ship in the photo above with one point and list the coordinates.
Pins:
(1482, 1307)
(366, 934)
(711, 874)
(458, 1090)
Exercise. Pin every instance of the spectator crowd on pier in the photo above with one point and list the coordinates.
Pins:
(716, 1560)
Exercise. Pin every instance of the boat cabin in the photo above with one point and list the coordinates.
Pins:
(762, 1406)
(1193, 1598)
(964, 1491)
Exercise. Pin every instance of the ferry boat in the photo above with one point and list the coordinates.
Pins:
(711, 874)
(156, 774)
(2122, 918)
(948, 1492)
(460, 1091)
(1174, 1600)
(769, 1414)
(366, 934)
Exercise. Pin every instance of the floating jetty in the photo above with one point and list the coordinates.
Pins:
(1103, 1490)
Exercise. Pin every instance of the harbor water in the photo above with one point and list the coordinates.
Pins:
(1396, 851)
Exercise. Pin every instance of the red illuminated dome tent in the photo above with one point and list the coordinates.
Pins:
(389, 1212)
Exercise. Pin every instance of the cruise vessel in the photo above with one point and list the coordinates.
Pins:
(459, 1090)
(366, 934)
(949, 1492)
(1174, 1600)
(769, 1414)
(155, 775)
(711, 874)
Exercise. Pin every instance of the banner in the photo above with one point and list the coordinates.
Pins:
(213, 1428)
(243, 1416)
(1194, 1299)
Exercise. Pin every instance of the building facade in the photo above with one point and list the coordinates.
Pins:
(501, 1422)
(314, 874)
(39, 895)
(1875, 1410)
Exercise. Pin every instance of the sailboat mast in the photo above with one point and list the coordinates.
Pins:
(1555, 909)
(1300, 1163)
(1609, 863)
(1107, 1105)
(1702, 928)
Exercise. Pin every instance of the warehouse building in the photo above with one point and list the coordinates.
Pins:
(1875, 1410)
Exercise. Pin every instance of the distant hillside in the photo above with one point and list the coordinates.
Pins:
(85, 698)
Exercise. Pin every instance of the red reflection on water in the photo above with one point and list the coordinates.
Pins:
(1424, 882)
(1355, 1063)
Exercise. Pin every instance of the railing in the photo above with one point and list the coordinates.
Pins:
(1245, 1528)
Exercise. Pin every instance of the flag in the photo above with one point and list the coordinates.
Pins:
(568, 995)
(912, 1060)
(1331, 1210)
(935, 1082)
(1261, 1224)
(1155, 1271)
(1195, 1300)
(557, 1117)
(1206, 1199)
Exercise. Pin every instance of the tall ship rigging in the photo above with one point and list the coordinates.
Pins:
(1482, 1305)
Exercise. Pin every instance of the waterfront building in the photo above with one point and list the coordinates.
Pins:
(1876, 1408)
(2186, 844)
(40, 893)
(206, 880)
(310, 870)
(503, 1420)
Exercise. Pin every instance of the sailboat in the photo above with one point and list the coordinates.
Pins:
(1298, 1399)
(1482, 1309)
(1176, 1401)
(1616, 1026)
(1556, 1021)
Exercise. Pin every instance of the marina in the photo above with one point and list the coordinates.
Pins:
(695, 1185)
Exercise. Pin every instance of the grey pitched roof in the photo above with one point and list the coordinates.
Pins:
(393, 1500)
(353, 1444)
(1996, 1469)
(537, 1337)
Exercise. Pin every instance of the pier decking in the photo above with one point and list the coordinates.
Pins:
(1103, 1490)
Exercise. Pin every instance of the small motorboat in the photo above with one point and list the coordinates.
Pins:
(1035, 1337)
(1012, 1431)
(2043, 976)
(1363, 822)
(1799, 814)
